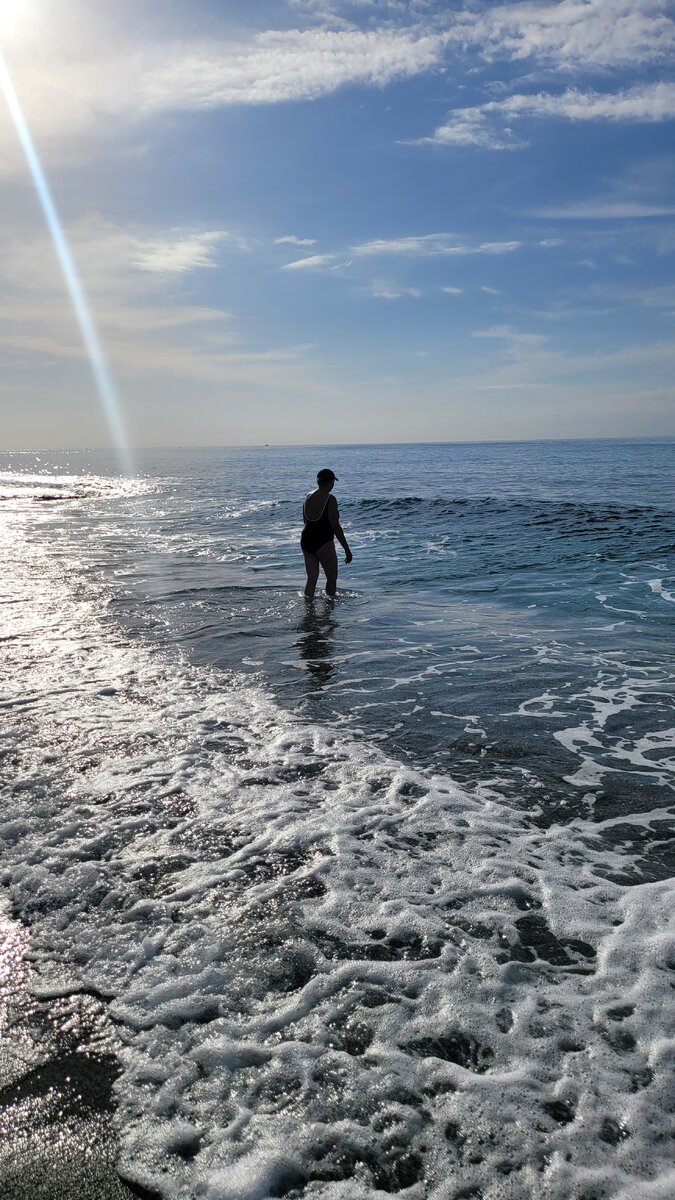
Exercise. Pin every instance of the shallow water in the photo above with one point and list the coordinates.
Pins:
(376, 893)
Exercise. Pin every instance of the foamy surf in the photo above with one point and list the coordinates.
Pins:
(331, 975)
(20, 485)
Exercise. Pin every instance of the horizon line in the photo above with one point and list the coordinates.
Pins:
(664, 437)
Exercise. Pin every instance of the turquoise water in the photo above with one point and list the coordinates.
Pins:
(429, 823)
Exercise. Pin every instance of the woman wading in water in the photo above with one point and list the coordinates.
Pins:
(322, 525)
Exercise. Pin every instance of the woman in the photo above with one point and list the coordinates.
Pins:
(322, 525)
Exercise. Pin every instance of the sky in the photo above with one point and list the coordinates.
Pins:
(298, 221)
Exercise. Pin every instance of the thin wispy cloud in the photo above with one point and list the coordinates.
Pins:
(661, 297)
(129, 318)
(641, 192)
(574, 33)
(313, 262)
(515, 339)
(565, 35)
(182, 254)
(138, 358)
(429, 244)
(106, 253)
(111, 258)
(282, 65)
(538, 352)
(130, 277)
(79, 95)
(603, 210)
(391, 291)
(488, 126)
(289, 239)
(508, 387)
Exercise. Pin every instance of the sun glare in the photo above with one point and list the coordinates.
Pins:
(14, 18)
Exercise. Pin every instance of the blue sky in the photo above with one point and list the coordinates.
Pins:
(308, 221)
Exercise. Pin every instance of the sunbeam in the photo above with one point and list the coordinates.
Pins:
(102, 377)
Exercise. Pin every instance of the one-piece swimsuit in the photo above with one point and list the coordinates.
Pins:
(316, 533)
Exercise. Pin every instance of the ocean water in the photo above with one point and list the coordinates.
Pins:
(358, 898)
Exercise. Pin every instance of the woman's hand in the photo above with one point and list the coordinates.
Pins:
(348, 557)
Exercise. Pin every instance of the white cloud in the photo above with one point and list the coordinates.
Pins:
(146, 332)
(182, 253)
(472, 127)
(291, 240)
(422, 246)
(282, 65)
(565, 34)
(393, 291)
(645, 102)
(452, 291)
(490, 291)
(488, 126)
(516, 341)
(573, 33)
(110, 258)
(497, 247)
(430, 244)
(311, 263)
(82, 82)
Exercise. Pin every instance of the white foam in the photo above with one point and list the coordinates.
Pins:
(327, 969)
(610, 738)
(656, 586)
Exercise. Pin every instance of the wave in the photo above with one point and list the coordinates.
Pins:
(538, 509)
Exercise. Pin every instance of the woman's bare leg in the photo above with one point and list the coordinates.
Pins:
(312, 568)
(328, 559)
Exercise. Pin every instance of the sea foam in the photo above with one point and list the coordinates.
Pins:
(332, 975)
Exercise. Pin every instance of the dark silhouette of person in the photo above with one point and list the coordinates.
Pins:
(322, 525)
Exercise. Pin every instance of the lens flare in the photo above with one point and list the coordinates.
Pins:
(102, 377)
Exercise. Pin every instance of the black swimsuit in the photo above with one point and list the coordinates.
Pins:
(316, 533)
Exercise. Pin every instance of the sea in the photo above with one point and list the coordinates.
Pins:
(339, 899)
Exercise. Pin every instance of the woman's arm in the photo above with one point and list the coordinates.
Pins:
(334, 518)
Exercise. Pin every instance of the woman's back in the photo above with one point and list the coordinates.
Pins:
(316, 503)
(318, 529)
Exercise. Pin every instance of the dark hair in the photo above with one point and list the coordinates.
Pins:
(325, 475)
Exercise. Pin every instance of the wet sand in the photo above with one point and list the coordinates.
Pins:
(58, 1137)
